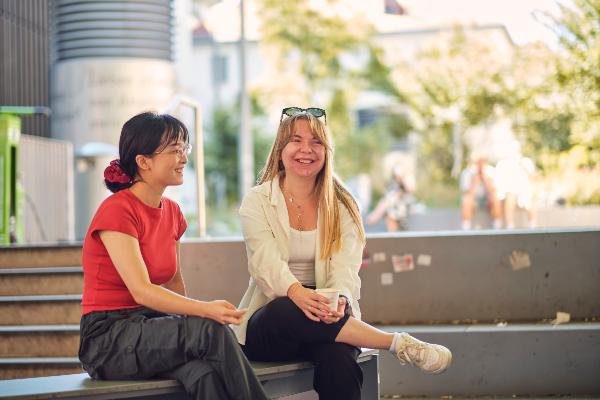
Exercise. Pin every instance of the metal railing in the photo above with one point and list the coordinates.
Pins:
(177, 102)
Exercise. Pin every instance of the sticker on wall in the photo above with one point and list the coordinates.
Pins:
(519, 259)
(379, 257)
(403, 262)
(387, 278)
(424, 259)
(561, 318)
(365, 259)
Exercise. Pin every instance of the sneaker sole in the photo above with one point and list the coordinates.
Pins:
(447, 356)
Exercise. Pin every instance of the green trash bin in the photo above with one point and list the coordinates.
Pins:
(11, 191)
(11, 194)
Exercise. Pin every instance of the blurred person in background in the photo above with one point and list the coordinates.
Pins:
(515, 189)
(395, 204)
(479, 191)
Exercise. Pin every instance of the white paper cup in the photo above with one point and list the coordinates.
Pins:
(333, 295)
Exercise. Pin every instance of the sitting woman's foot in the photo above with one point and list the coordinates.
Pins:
(431, 358)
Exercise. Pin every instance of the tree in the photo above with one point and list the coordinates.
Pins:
(456, 82)
(553, 98)
(221, 155)
(321, 58)
(578, 70)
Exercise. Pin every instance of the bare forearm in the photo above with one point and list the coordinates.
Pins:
(177, 286)
(169, 301)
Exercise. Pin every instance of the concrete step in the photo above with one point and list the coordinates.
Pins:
(39, 341)
(51, 255)
(40, 310)
(491, 360)
(14, 368)
(41, 281)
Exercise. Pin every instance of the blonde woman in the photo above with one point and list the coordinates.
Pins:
(303, 231)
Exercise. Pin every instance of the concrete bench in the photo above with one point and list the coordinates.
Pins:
(278, 379)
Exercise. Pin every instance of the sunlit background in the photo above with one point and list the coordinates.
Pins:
(416, 91)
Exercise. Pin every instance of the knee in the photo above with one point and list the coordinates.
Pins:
(205, 336)
(206, 323)
(282, 309)
(208, 327)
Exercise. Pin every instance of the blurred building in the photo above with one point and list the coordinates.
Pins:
(400, 34)
(39, 163)
(110, 61)
(24, 60)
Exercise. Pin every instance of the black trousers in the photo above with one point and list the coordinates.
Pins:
(280, 331)
(141, 343)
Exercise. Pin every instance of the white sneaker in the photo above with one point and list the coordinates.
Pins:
(431, 358)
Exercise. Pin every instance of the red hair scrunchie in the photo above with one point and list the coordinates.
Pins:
(115, 174)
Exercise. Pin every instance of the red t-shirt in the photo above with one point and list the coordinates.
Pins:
(157, 231)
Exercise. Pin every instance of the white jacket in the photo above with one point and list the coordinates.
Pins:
(266, 229)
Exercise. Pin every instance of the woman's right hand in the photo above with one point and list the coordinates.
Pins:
(309, 301)
(223, 312)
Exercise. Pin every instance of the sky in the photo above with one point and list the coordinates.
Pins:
(516, 15)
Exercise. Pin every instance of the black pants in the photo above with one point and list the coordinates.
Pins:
(280, 331)
(141, 343)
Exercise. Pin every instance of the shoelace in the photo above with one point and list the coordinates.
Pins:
(403, 355)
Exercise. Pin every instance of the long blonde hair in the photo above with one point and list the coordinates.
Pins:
(329, 189)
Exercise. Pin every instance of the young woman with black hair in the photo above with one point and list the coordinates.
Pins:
(137, 321)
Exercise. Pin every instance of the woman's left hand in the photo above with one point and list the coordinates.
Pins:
(335, 316)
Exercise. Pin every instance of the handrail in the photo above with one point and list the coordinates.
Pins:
(176, 102)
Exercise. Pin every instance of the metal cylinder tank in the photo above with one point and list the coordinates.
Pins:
(111, 60)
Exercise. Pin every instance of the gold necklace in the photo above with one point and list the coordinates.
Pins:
(298, 208)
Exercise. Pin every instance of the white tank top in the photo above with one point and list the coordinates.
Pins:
(302, 255)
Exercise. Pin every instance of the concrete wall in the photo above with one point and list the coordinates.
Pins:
(470, 276)
(456, 282)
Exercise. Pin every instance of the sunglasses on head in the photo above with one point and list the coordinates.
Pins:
(291, 111)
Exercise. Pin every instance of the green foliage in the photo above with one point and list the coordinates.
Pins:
(318, 46)
(436, 194)
(397, 124)
(221, 154)
(580, 198)
(320, 40)
(578, 70)
(553, 98)
(458, 81)
(550, 133)
(377, 75)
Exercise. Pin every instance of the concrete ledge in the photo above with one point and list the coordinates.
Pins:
(279, 379)
(522, 360)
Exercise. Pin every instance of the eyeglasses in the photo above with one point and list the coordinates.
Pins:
(180, 151)
(292, 111)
